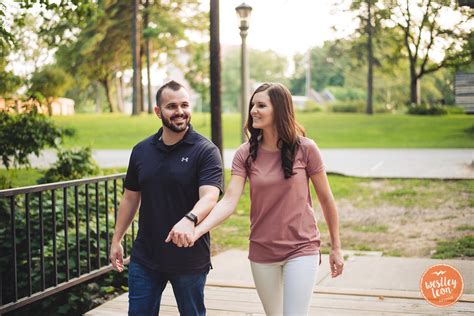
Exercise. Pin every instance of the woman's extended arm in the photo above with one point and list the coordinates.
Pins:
(328, 205)
(224, 208)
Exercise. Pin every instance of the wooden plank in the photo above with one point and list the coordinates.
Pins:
(245, 301)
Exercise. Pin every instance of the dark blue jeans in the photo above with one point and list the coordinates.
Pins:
(146, 286)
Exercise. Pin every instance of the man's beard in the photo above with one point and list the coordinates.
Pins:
(176, 128)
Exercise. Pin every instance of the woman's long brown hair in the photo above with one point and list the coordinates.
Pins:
(285, 123)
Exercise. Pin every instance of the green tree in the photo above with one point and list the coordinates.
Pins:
(102, 48)
(265, 66)
(7, 39)
(49, 83)
(9, 82)
(24, 134)
(424, 32)
(329, 65)
(197, 72)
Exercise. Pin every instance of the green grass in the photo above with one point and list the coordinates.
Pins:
(330, 130)
(30, 176)
(371, 228)
(361, 192)
(462, 247)
(408, 193)
(465, 227)
(20, 177)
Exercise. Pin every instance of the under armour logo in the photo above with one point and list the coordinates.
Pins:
(184, 159)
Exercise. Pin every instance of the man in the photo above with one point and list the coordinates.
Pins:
(175, 176)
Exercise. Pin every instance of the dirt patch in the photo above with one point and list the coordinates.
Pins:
(411, 232)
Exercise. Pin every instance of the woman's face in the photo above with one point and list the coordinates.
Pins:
(262, 111)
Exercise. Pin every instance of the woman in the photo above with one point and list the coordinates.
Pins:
(284, 239)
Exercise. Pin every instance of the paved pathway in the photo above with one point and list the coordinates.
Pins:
(389, 163)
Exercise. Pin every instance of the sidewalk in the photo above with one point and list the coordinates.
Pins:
(384, 163)
(369, 272)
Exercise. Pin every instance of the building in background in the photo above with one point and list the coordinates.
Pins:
(464, 91)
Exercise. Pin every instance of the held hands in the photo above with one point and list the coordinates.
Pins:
(182, 234)
(116, 256)
(336, 262)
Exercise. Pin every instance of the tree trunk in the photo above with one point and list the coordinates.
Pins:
(119, 93)
(142, 89)
(413, 84)
(98, 108)
(108, 94)
(215, 74)
(370, 61)
(148, 60)
(135, 59)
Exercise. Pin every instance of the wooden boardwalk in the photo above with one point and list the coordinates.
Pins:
(369, 286)
(237, 300)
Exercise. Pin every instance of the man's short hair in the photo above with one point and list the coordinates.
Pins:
(173, 85)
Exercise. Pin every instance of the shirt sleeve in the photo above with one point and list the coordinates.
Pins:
(131, 179)
(238, 163)
(314, 160)
(210, 169)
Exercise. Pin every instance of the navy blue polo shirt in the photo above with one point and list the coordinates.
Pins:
(168, 179)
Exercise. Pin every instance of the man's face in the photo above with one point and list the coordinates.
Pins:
(175, 110)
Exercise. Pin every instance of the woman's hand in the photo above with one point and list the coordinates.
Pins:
(336, 262)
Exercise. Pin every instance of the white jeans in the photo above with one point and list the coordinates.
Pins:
(285, 288)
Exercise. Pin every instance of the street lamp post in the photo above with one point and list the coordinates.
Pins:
(243, 12)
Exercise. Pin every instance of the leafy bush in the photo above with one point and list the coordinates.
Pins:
(424, 109)
(5, 182)
(347, 94)
(357, 106)
(24, 134)
(72, 164)
(454, 109)
(311, 106)
(345, 108)
(348, 106)
(462, 247)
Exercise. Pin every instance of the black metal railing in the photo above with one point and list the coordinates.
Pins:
(52, 237)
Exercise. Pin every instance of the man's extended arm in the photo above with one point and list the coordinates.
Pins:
(182, 233)
(127, 210)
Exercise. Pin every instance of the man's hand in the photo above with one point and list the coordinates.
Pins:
(116, 256)
(336, 262)
(182, 234)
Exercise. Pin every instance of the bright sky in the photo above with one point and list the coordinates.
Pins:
(285, 26)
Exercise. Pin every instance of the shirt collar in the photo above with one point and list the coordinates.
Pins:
(189, 137)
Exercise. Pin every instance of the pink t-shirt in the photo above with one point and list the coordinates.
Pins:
(282, 222)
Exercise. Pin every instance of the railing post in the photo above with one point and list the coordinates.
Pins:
(13, 224)
(40, 200)
(28, 242)
(66, 241)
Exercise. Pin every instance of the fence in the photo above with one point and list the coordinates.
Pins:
(37, 259)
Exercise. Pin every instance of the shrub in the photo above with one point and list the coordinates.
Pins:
(72, 164)
(424, 109)
(348, 106)
(5, 182)
(24, 134)
(311, 106)
(358, 106)
(454, 109)
(347, 94)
